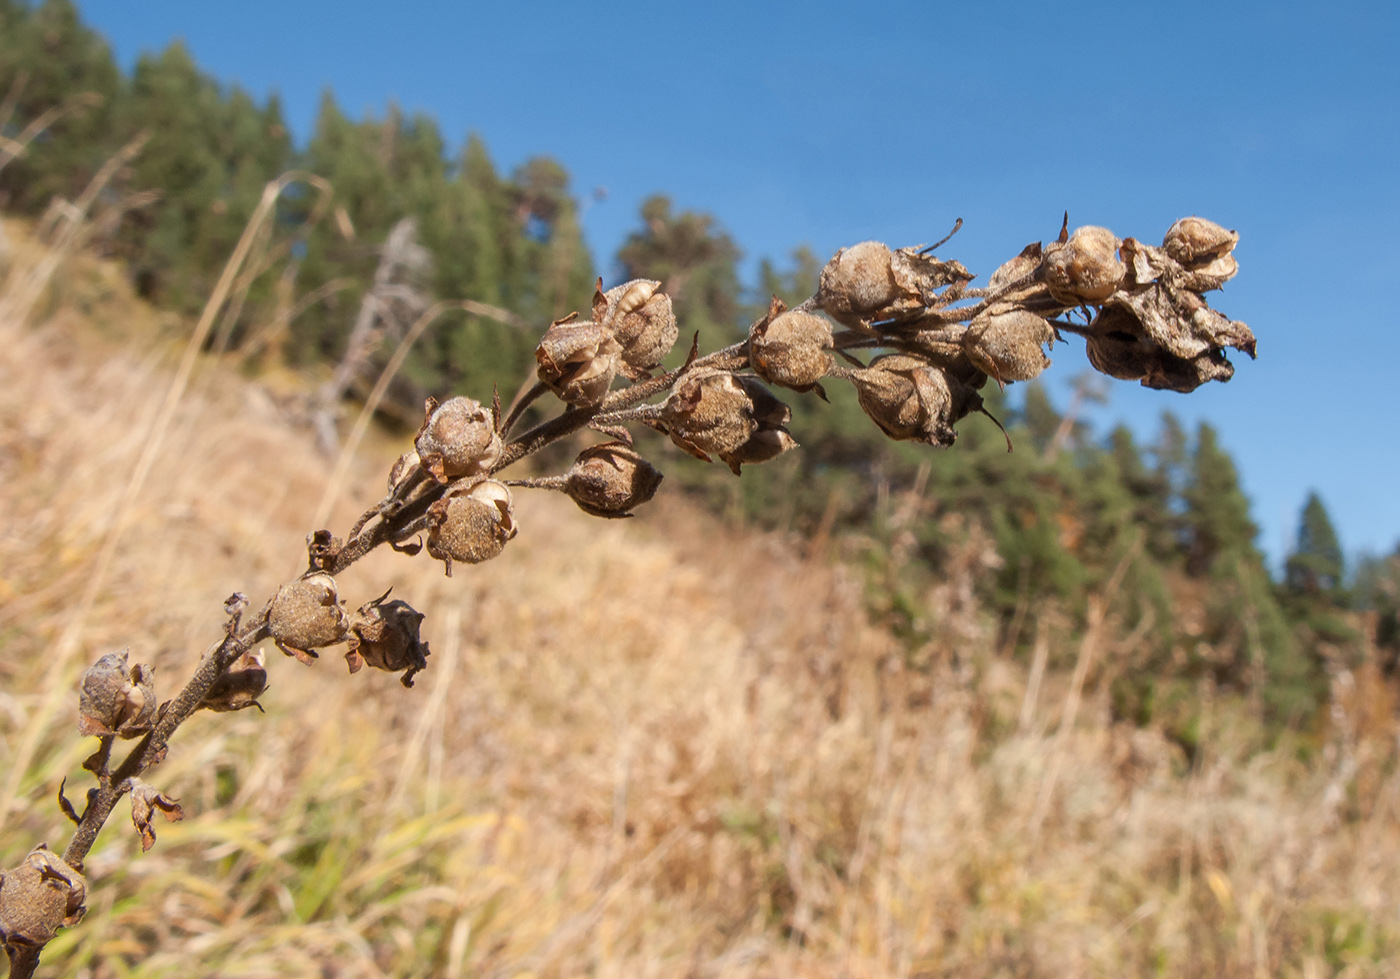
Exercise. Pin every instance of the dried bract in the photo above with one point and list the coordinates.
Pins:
(911, 400)
(1007, 344)
(117, 699)
(578, 361)
(610, 480)
(240, 686)
(789, 347)
(406, 467)
(471, 526)
(640, 318)
(1084, 269)
(458, 438)
(306, 614)
(145, 802)
(384, 635)
(38, 897)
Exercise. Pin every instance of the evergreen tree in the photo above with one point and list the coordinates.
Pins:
(1316, 565)
(1216, 515)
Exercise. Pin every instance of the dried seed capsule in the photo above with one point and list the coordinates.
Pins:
(1007, 344)
(471, 526)
(789, 347)
(458, 438)
(1084, 269)
(306, 614)
(385, 636)
(640, 318)
(610, 480)
(578, 361)
(38, 897)
(718, 413)
(240, 687)
(912, 400)
(116, 699)
(858, 282)
(1192, 241)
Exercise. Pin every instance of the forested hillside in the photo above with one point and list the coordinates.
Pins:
(399, 221)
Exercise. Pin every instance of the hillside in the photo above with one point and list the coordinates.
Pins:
(663, 746)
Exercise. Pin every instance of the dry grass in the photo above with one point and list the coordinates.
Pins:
(644, 748)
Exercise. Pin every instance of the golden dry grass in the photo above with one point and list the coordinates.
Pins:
(655, 747)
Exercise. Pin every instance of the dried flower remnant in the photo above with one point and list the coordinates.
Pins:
(789, 348)
(146, 801)
(471, 526)
(38, 897)
(384, 635)
(117, 699)
(869, 282)
(1086, 268)
(458, 438)
(639, 317)
(610, 480)
(240, 687)
(578, 361)
(306, 615)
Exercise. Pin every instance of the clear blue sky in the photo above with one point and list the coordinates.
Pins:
(830, 123)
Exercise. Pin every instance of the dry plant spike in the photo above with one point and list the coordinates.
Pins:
(933, 342)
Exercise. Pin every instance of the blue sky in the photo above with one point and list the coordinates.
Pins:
(829, 123)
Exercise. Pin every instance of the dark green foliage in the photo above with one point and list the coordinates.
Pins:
(1316, 566)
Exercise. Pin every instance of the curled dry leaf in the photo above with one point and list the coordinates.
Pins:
(471, 525)
(458, 438)
(145, 802)
(384, 635)
(306, 614)
(239, 687)
(610, 480)
(117, 699)
(38, 897)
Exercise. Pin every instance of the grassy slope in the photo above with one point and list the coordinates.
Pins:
(643, 748)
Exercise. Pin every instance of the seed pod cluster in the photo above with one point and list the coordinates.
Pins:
(384, 635)
(471, 525)
(38, 897)
(733, 416)
(307, 615)
(117, 699)
(458, 438)
(611, 480)
(788, 348)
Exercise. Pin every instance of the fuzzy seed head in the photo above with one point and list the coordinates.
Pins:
(610, 480)
(578, 361)
(858, 281)
(116, 698)
(789, 348)
(38, 897)
(306, 614)
(458, 438)
(1085, 269)
(1195, 241)
(1008, 345)
(472, 526)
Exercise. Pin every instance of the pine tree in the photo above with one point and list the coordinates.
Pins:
(1216, 513)
(1316, 566)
